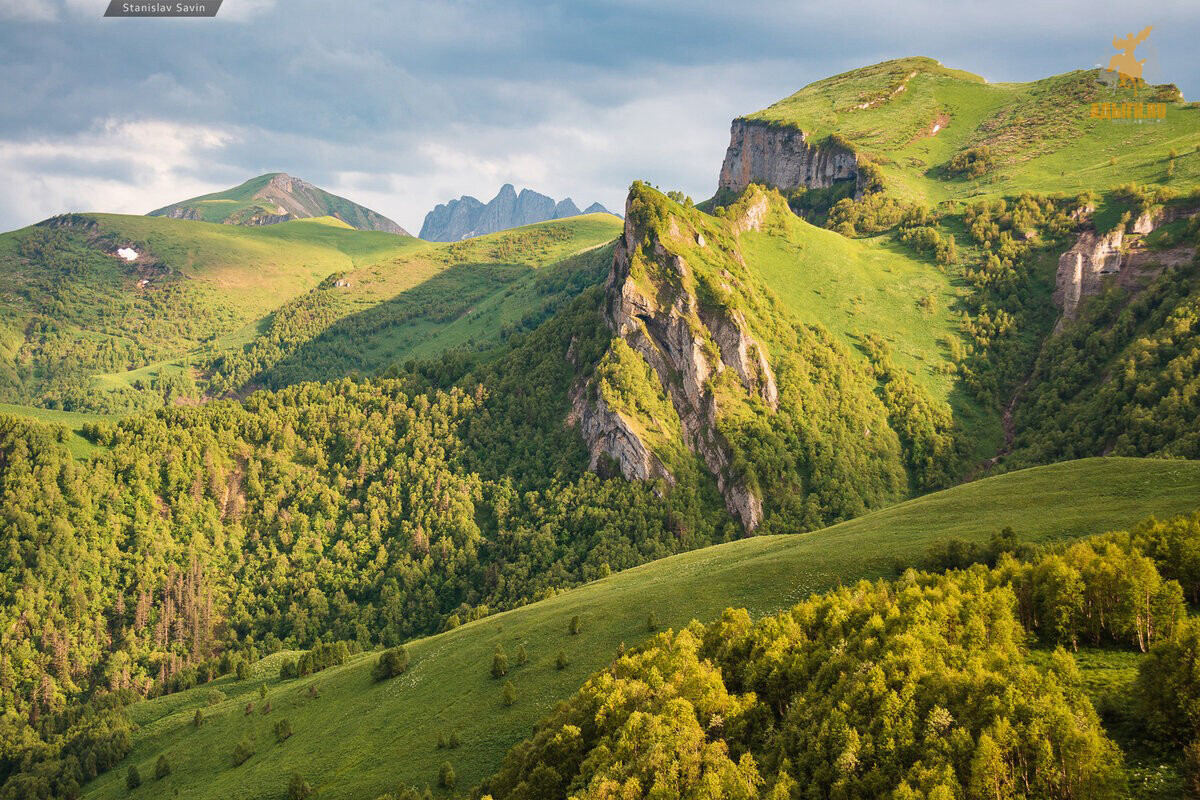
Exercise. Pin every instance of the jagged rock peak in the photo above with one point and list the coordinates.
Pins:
(467, 216)
(651, 303)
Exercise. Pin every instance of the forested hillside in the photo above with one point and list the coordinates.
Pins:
(241, 456)
(890, 689)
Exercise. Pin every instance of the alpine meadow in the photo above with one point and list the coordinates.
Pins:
(874, 474)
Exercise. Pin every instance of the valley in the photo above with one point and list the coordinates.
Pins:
(930, 333)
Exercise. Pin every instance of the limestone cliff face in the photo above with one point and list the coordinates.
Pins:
(687, 345)
(783, 158)
(1099, 259)
(609, 433)
(1082, 269)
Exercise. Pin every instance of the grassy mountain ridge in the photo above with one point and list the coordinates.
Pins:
(273, 198)
(340, 737)
(910, 117)
(81, 327)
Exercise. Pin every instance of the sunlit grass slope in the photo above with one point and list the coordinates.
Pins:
(358, 738)
(912, 115)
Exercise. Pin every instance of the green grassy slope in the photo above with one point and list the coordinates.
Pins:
(1041, 133)
(71, 421)
(856, 287)
(359, 739)
(428, 300)
(247, 203)
(75, 319)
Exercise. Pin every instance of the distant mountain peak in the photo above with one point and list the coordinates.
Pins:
(277, 197)
(467, 216)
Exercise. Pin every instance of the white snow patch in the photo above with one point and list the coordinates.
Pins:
(936, 127)
(127, 253)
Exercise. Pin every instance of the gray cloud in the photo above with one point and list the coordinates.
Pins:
(401, 105)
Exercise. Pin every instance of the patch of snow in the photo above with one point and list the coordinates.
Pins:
(937, 126)
(127, 253)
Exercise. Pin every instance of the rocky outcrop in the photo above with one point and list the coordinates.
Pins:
(609, 434)
(467, 217)
(782, 157)
(1097, 260)
(688, 345)
(183, 213)
(1083, 268)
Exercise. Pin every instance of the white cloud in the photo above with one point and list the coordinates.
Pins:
(119, 165)
(29, 10)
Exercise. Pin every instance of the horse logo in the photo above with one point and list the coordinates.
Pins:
(1123, 63)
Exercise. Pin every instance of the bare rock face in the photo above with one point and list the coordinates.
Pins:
(608, 433)
(1098, 259)
(686, 345)
(1082, 269)
(782, 158)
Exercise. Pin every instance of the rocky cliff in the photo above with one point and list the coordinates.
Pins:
(782, 157)
(653, 303)
(467, 216)
(1096, 260)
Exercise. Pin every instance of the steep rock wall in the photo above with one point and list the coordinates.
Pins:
(1096, 260)
(686, 345)
(783, 158)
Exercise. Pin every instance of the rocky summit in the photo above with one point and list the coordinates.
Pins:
(467, 217)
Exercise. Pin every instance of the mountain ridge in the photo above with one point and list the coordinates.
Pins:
(467, 216)
(277, 197)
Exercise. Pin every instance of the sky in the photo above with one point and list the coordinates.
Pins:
(404, 104)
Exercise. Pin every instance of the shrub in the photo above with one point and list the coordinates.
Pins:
(288, 669)
(243, 671)
(499, 663)
(298, 788)
(574, 627)
(508, 695)
(283, 730)
(391, 663)
(266, 709)
(198, 719)
(441, 742)
(454, 741)
(242, 751)
(262, 691)
(561, 661)
(522, 656)
(162, 767)
(972, 162)
(446, 776)
(133, 779)
(652, 622)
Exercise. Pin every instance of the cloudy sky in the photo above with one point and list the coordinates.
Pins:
(402, 104)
